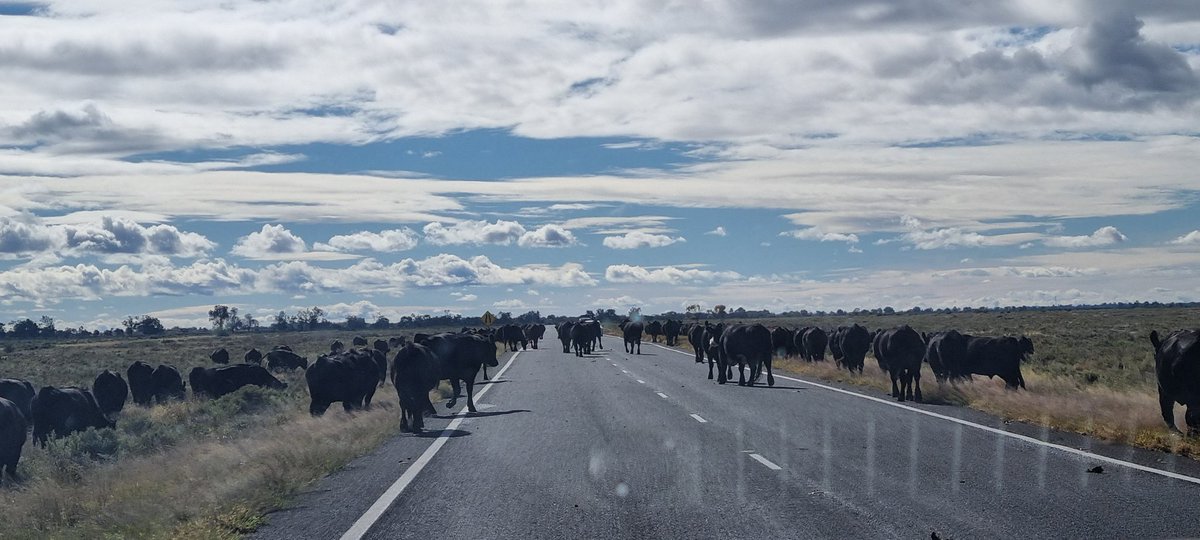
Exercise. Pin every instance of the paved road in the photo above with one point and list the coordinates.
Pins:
(627, 446)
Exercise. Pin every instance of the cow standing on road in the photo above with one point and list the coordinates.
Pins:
(1177, 366)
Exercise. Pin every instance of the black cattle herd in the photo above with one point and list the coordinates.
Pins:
(352, 375)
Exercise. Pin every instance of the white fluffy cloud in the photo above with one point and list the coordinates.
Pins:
(108, 237)
(625, 273)
(719, 231)
(1191, 238)
(1104, 236)
(548, 236)
(952, 237)
(272, 241)
(474, 233)
(813, 233)
(383, 241)
(639, 240)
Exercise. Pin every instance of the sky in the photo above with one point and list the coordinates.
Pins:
(382, 158)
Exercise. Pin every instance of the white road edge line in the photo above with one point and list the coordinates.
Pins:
(699, 419)
(766, 462)
(372, 515)
(1017, 436)
(641, 381)
(662, 395)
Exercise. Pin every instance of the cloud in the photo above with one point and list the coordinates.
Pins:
(467, 298)
(386, 241)
(813, 233)
(510, 304)
(624, 273)
(620, 301)
(1104, 236)
(549, 236)
(271, 241)
(1192, 238)
(719, 231)
(952, 237)
(474, 233)
(640, 240)
(111, 236)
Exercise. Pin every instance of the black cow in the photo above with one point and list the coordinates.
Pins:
(381, 346)
(581, 339)
(534, 333)
(632, 334)
(13, 424)
(20, 392)
(835, 344)
(141, 382)
(253, 356)
(381, 363)
(1177, 365)
(462, 355)
(900, 352)
(279, 359)
(711, 339)
(282, 348)
(421, 338)
(512, 335)
(597, 331)
(946, 354)
(812, 343)
(781, 341)
(854, 343)
(655, 329)
(564, 335)
(360, 341)
(64, 411)
(349, 377)
(750, 346)
(671, 330)
(696, 340)
(396, 342)
(110, 391)
(216, 382)
(337, 346)
(992, 356)
(415, 372)
(168, 383)
(220, 356)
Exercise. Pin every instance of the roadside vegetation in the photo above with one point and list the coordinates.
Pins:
(190, 469)
(1092, 372)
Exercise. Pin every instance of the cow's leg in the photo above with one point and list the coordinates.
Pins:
(485, 376)
(1167, 406)
(917, 384)
(471, 394)
(741, 375)
(457, 392)
(710, 368)
(770, 373)
(404, 420)
(895, 389)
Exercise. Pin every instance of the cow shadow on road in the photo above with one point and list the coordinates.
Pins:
(483, 414)
(491, 381)
(436, 433)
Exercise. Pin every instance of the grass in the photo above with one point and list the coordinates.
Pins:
(190, 469)
(1093, 371)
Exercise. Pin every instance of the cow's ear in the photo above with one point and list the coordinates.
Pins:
(1154, 339)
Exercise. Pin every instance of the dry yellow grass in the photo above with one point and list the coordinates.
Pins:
(213, 489)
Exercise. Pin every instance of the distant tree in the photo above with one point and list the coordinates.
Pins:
(694, 310)
(47, 326)
(219, 315)
(281, 322)
(634, 314)
(719, 310)
(381, 323)
(1, 330)
(150, 326)
(118, 332)
(249, 322)
(530, 317)
(25, 328)
(504, 316)
(129, 323)
(354, 322)
(889, 311)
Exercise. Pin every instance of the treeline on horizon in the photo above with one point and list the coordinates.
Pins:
(225, 319)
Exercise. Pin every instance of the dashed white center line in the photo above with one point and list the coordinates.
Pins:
(766, 462)
(626, 371)
(699, 419)
(641, 381)
(662, 395)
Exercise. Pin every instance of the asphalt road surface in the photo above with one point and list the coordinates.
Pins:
(615, 445)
